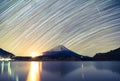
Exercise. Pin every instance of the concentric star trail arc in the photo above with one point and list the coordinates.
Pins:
(84, 26)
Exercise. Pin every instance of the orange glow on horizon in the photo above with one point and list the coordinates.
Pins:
(34, 54)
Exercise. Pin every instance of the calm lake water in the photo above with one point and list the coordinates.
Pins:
(59, 71)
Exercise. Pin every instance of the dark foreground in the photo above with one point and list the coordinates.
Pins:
(60, 71)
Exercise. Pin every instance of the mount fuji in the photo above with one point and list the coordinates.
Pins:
(62, 53)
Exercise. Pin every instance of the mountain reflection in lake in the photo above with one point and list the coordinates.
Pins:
(59, 71)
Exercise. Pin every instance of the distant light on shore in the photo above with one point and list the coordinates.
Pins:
(5, 59)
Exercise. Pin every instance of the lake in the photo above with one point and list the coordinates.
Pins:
(60, 71)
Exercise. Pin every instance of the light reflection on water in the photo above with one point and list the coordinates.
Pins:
(83, 71)
(35, 70)
(59, 71)
(6, 70)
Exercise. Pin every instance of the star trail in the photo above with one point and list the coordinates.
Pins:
(84, 26)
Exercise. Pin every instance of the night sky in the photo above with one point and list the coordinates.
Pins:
(84, 26)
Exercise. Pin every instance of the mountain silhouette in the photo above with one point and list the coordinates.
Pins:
(111, 55)
(58, 53)
(61, 53)
(5, 54)
(61, 50)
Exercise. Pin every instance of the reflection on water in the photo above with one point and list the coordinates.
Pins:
(35, 70)
(60, 68)
(7, 71)
(112, 66)
(59, 71)
(83, 71)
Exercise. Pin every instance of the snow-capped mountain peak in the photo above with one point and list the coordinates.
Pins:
(59, 48)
